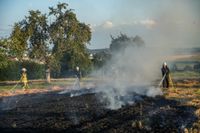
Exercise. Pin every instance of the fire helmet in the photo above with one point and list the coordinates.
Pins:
(24, 69)
(77, 68)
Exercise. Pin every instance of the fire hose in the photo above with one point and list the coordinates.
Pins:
(15, 85)
(162, 80)
(169, 79)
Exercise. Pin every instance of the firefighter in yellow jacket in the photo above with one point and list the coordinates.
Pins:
(24, 79)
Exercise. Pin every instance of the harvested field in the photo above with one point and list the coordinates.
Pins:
(52, 112)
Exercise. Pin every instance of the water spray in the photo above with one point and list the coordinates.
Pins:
(76, 86)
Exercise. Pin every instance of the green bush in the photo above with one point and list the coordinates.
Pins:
(13, 70)
(10, 72)
(34, 70)
(197, 66)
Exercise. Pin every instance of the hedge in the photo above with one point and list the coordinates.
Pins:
(13, 70)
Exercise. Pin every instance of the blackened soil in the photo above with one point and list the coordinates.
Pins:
(51, 112)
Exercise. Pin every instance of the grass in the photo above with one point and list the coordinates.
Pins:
(182, 62)
(197, 92)
(189, 97)
(185, 74)
(37, 85)
(44, 85)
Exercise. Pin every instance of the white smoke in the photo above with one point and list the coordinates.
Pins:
(129, 72)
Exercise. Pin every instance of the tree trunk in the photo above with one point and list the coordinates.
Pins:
(48, 76)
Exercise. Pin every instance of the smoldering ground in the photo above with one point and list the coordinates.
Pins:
(167, 29)
(128, 72)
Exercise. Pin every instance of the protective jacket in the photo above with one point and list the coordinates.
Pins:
(24, 77)
(165, 70)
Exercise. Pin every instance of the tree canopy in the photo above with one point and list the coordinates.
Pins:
(3, 52)
(123, 41)
(70, 36)
(51, 38)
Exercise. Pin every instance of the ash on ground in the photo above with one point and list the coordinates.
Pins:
(52, 112)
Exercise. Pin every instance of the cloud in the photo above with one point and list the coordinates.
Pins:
(149, 23)
(107, 25)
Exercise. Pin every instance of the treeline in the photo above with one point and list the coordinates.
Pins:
(59, 44)
(13, 71)
(186, 66)
(56, 38)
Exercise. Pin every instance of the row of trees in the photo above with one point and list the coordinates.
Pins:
(57, 39)
(123, 41)
(191, 67)
(118, 45)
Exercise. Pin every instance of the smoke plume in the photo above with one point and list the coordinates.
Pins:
(129, 72)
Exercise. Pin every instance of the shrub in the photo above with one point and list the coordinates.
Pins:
(197, 66)
(13, 70)
(188, 68)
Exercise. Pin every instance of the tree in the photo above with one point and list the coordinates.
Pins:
(187, 68)
(100, 58)
(51, 42)
(3, 52)
(17, 47)
(196, 66)
(36, 38)
(175, 68)
(123, 41)
(13, 47)
(70, 36)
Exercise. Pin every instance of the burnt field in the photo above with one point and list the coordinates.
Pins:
(53, 112)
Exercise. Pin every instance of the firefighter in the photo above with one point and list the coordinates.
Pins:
(24, 79)
(78, 78)
(78, 73)
(165, 73)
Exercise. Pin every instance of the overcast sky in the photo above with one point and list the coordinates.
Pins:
(174, 23)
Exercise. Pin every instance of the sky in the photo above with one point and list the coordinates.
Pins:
(163, 23)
